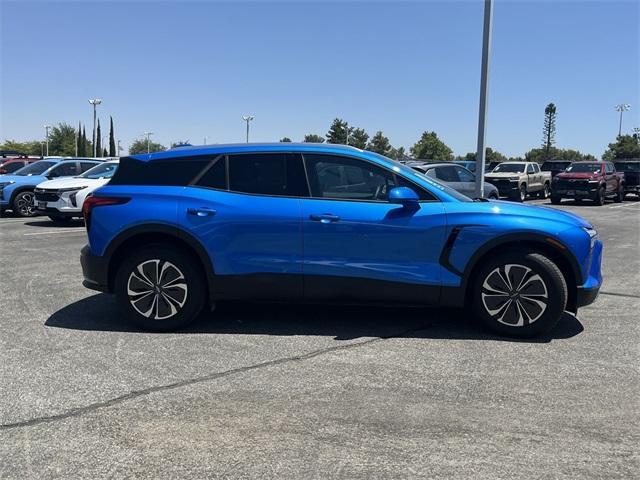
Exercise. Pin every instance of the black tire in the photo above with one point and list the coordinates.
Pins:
(522, 193)
(60, 220)
(178, 304)
(619, 195)
(556, 200)
(493, 196)
(525, 310)
(545, 192)
(23, 205)
(600, 196)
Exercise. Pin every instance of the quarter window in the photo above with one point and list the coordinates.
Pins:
(279, 174)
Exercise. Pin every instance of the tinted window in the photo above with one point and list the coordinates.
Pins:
(584, 167)
(84, 166)
(447, 174)
(465, 175)
(350, 179)
(103, 170)
(36, 168)
(176, 171)
(268, 174)
(628, 166)
(215, 176)
(65, 169)
(12, 167)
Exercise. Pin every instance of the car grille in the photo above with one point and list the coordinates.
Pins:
(500, 184)
(572, 184)
(45, 196)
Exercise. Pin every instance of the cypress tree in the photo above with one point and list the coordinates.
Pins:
(79, 139)
(98, 141)
(112, 140)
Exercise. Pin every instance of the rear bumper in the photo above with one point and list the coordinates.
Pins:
(95, 270)
(54, 212)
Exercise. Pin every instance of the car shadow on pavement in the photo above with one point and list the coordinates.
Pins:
(45, 222)
(100, 313)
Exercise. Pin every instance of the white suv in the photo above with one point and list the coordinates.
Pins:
(62, 199)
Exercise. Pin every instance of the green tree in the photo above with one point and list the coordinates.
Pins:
(380, 144)
(489, 156)
(625, 146)
(28, 148)
(338, 132)
(399, 154)
(79, 139)
(112, 139)
(98, 141)
(140, 146)
(85, 143)
(549, 129)
(62, 140)
(179, 143)
(313, 138)
(285, 140)
(105, 153)
(430, 147)
(358, 138)
(541, 154)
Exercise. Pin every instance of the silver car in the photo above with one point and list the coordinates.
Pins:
(456, 177)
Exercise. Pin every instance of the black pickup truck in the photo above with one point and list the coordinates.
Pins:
(631, 169)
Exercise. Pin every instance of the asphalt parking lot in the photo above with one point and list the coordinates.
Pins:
(311, 392)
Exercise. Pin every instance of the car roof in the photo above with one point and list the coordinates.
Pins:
(217, 149)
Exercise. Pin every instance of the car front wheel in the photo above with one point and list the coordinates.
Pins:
(619, 195)
(160, 288)
(23, 205)
(520, 294)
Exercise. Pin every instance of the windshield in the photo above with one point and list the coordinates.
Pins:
(628, 166)
(36, 168)
(584, 167)
(410, 173)
(104, 170)
(549, 166)
(510, 168)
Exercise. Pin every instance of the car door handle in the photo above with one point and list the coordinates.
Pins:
(324, 218)
(201, 212)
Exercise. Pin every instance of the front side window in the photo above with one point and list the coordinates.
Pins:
(344, 178)
(536, 168)
(280, 174)
(36, 168)
(530, 169)
(465, 175)
(66, 169)
(84, 166)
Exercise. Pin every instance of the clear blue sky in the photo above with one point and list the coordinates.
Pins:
(187, 70)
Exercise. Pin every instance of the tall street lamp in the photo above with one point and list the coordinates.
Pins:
(622, 107)
(46, 136)
(148, 135)
(484, 89)
(95, 102)
(248, 118)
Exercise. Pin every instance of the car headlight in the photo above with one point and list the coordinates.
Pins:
(514, 179)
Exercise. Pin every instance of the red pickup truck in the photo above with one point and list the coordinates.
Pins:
(588, 180)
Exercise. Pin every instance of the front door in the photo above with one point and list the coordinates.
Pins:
(357, 245)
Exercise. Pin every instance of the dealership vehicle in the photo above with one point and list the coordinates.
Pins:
(555, 166)
(457, 177)
(631, 170)
(10, 165)
(588, 180)
(518, 179)
(468, 164)
(62, 198)
(16, 190)
(177, 230)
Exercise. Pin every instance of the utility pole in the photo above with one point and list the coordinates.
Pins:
(46, 136)
(484, 89)
(95, 102)
(248, 118)
(622, 107)
(148, 135)
(119, 149)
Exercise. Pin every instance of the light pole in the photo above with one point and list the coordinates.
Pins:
(248, 118)
(46, 136)
(119, 149)
(484, 89)
(95, 102)
(148, 135)
(622, 107)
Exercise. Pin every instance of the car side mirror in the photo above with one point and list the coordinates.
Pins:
(404, 196)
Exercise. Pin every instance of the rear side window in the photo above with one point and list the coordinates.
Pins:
(215, 176)
(174, 172)
(279, 174)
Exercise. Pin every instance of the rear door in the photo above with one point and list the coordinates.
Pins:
(246, 210)
(357, 245)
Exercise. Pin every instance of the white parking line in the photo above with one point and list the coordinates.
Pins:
(626, 205)
(56, 232)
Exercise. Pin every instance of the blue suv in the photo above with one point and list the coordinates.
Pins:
(179, 230)
(17, 189)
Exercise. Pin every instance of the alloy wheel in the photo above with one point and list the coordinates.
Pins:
(157, 289)
(25, 204)
(514, 295)
(523, 193)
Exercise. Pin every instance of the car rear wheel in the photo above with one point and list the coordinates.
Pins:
(23, 205)
(520, 294)
(619, 195)
(160, 288)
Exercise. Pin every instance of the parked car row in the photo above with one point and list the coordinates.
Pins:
(56, 186)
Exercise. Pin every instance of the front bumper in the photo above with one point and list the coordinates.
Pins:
(95, 270)
(586, 296)
(506, 188)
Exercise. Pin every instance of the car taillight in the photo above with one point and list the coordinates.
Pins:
(92, 202)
